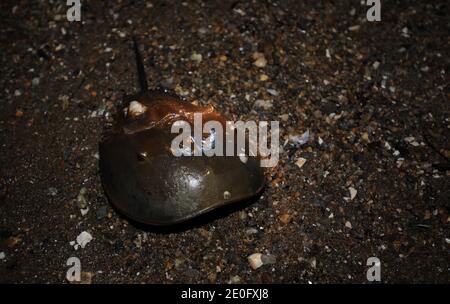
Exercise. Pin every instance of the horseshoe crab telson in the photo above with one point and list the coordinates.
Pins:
(147, 183)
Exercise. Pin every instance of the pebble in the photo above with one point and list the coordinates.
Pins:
(354, 28)
(82, 202)
(348, 225)
(2, 255)
(52, 191)
(300, 162)
(196, 57)
(35, 81)
(102, 212)
(251, 231)
(353, 192)
(285, 218)
(84, 238)
(19, 113)
(376, 65)
(235, 280)
(268, 259)
(255, 260)
(265, 104)
(299, 140)
(259, 60)
(263, 77)
(313, 263)
(272, 92)
(84, 211)
(365, 136)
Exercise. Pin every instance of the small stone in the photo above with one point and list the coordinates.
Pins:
(82, 202)
(313, 263)
(84, 211)
(263, 77)
(348, 225)
(35, 82)
(300, 162)
(242, 215)
(260, 60)
(285, 218)
(251, 231)
(84, 238)
(265, 104)
(268, 259)
(19, 113)
(196, 57)
(365, 136)
(354, 28)
(299, 139)
(234, 280)
(52, 191)
(223, 58)
(272, 92)
(102, 212)
(376, 65)
(255, 260)
(353, 192)
(2, 255)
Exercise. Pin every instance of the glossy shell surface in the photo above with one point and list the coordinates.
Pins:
(146, 182)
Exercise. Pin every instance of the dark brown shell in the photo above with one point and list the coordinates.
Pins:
(146, 182)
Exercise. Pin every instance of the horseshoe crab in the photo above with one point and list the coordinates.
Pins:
(147, 183)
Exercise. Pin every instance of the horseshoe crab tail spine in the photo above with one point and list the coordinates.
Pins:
(140, 67)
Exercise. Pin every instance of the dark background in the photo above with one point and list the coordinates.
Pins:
(60, 82)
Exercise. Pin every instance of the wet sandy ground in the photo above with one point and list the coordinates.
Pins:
(374, 97)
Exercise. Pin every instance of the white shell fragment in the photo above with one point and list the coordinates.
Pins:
(255, 260)
(136, 108)
(353, 192)
(84, 238)
(84, 211)
(300, 162)
(299, 139)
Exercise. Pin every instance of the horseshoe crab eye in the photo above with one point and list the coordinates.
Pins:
(142, 156)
